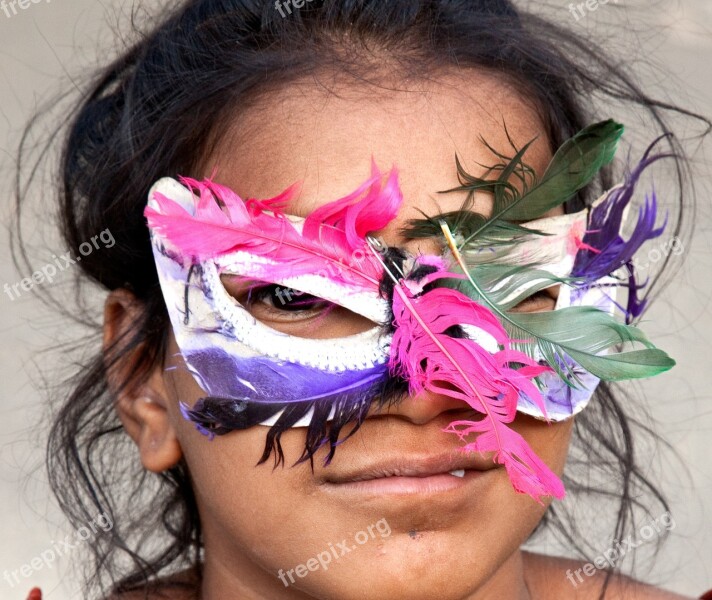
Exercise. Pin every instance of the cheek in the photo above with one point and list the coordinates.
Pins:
(254, 515)
(254, 511)
(245, 507)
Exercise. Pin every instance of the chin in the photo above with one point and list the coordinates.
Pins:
(414, 565)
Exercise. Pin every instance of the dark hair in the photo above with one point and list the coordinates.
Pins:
(158, 108)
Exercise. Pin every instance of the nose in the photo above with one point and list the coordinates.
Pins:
(425, 407)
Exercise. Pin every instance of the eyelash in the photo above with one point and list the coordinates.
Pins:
(540, 295)
(279, 299)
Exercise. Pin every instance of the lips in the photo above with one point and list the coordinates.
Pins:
(456, 465)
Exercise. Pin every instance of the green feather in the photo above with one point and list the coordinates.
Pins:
(502, 282)
(581, 332)
(573, 166)
(508, 285)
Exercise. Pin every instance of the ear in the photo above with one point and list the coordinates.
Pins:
(142, 405)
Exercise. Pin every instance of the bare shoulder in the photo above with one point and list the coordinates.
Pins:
(180, 586)
(161, 592)
(156, 594)
(566, 578)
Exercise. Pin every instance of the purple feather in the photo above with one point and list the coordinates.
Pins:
(604, 234)
(276, 382)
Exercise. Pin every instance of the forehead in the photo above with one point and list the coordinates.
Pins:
(325, 136)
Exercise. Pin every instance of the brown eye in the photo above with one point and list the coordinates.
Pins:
(268, 301)
(286, 299)
(292, 311)
(540, 302)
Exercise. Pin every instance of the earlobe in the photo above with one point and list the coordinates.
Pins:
(141, 405)
(147, 422)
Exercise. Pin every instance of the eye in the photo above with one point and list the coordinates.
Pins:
(541, 301)
(274, 302)
(292, 311)
(280, 298)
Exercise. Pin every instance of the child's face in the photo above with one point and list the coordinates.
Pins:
(365, 541)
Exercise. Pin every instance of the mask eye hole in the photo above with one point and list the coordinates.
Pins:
(541, 301)
(294, 312)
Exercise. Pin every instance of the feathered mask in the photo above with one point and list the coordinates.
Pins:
(441, 323)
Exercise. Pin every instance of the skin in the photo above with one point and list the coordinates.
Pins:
(257, 520)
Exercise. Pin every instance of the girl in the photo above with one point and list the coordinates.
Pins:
(359, 290)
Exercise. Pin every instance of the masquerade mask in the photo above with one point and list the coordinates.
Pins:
(438, 323)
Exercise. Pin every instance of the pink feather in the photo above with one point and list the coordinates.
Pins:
(527, 472)
(346, 222)
(333, 235)
(424, 354)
